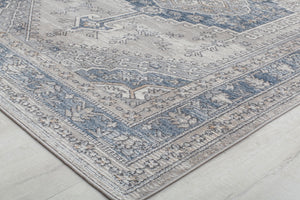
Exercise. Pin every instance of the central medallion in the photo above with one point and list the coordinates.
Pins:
(228, 7)
(236, 15)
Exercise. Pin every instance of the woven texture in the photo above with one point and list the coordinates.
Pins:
(134, 94)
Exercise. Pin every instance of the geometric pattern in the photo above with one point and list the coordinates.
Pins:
(237, 15)
(134, 94)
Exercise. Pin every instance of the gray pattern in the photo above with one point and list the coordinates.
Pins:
(133, 95)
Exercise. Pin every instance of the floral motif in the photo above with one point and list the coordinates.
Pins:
(80, 113)
(83, 146)
(50, 122)
(151, 164)
(182, 120)
(130, 120)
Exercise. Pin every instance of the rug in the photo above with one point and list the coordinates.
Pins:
(135, 94)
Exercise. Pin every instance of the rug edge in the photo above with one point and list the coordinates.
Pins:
(31, 133)
(224, 150)
(108, 194)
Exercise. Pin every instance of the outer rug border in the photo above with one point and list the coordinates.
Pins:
(102, 190)
(55, 153)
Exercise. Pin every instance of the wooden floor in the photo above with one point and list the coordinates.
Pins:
(265, 166)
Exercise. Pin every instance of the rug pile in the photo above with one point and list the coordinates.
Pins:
(134, 94)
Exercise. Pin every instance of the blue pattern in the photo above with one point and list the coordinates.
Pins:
(3, 3)
(260, 12)
(97, 123)
(131, 78)
(133, 95)
(204, 107)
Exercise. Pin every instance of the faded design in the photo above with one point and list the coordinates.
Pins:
(237, 15)
(132, 94)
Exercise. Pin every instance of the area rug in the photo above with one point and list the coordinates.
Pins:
(135, 94)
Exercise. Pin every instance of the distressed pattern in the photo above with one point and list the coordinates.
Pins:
(134, 94)
(237, 15)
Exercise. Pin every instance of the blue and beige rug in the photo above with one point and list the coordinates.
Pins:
(134, 94)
